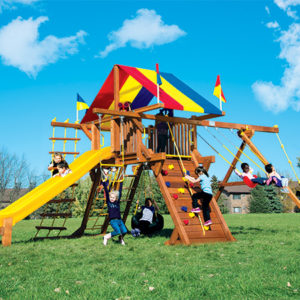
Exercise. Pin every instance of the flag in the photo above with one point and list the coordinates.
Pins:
(218, 90)
(158, 79)
(81, 104)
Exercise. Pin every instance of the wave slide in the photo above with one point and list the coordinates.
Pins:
(39, 196)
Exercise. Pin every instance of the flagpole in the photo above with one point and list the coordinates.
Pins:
(76, 114)
(157, 94)
(220, 101)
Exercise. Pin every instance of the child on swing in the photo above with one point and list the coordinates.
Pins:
(274, 177)
(113, 204)
(247, 172)
(205, 195)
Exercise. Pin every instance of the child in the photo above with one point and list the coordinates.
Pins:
(57, 158)
(205, 194)
(147, 217)
(63, 169)
(274, 177)
(113, 205)
(247, 173)
(162, 134)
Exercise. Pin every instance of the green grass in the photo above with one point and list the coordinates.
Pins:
(263, 263)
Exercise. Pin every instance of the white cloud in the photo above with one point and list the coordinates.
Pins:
(9, 4)
(267, 10)
(145, 30)
(20, 45)
(273, 24)
(278, 98)
(286, 6)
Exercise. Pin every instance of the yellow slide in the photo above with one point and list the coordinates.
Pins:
(36, 198)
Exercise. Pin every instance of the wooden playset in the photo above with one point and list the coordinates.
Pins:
(120, 108)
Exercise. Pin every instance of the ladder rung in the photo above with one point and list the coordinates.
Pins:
(65, 215)
(61, 200)
(129, 188)
(62, 152)
(50, 228)
(100, 198)
(64, 139)
(131, 175)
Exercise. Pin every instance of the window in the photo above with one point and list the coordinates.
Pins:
(237, 210)
(236, 196)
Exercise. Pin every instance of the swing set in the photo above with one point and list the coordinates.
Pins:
(119, 109)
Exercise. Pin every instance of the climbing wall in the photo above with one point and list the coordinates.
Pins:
(188, 230)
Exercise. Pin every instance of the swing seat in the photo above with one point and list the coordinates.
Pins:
(249, 183)
(157, 223)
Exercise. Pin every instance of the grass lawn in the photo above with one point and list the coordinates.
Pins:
(263, 263)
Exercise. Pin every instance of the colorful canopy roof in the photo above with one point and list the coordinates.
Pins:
(138, 86)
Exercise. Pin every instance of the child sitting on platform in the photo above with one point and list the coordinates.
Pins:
(63, 169)
(247, 172)
(205, 195)
(113, 204)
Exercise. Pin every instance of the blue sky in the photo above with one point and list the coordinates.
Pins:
(50, 50)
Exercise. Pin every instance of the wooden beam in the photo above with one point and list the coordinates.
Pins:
(246, 139)
(95, 138)
(67, 125)
(86, 131)
(229, 172)
(233, 183)
(208, 116)
(293, 197)
(210, 123)
(129, 114)
(154, 157)
(7, 234)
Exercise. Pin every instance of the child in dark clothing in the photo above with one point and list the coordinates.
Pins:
(162, 134)
(146, 220)
(113, 204)
(57, 158)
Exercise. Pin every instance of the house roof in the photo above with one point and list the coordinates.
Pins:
(138, 86)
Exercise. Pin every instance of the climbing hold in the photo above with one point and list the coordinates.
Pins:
(168, 184)
(191, 185)
(164, 172)
(191, 215)
(206, 228)
(175, 196)
(171, 167)
(184, 179)
(184, 208)
(181, 191)
(188, 173)
(186, 222)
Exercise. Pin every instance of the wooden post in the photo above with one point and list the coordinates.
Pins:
(7, 231)
(229, 172)
(95, 138)
(96, 180)
(246, 139)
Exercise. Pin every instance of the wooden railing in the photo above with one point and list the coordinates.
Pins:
(184, 137)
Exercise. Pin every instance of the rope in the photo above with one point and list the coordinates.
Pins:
(222, 144)
(242, 152)
(178, 153)
(215, 150)
(289, 161)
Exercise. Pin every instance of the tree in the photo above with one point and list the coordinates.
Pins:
(259, 202)
(274, 201)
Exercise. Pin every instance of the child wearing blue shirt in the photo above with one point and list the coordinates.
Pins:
(205, 195)
(113, 204)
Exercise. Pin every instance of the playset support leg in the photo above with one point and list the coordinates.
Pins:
(6, 231)
(229, 172)
(96, 180)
